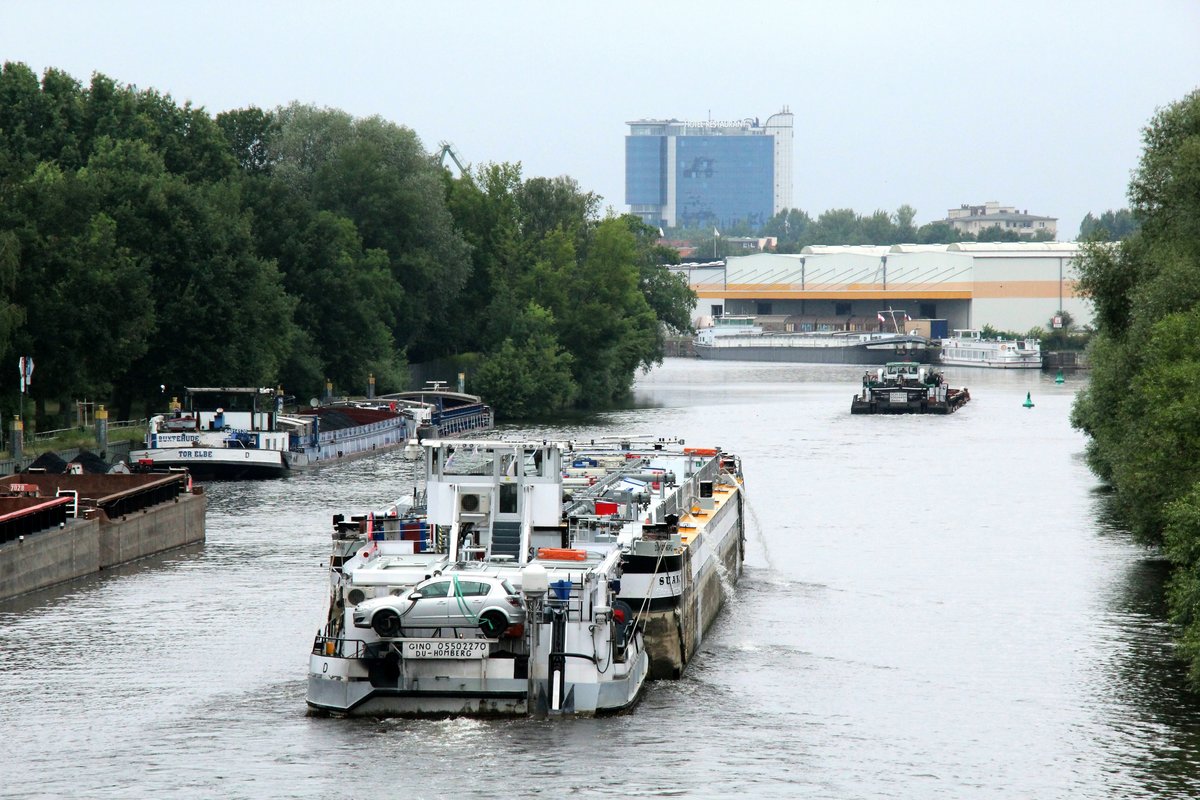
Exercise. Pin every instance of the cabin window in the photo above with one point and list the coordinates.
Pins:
(535, 463)
(467, 461)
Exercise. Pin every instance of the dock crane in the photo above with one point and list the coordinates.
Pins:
(447, 149)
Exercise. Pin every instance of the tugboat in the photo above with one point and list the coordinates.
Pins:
(906, 387)
(529, 578)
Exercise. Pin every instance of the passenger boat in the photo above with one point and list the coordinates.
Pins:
(242, 432)
(620, 552)
(740, 339)
(907, 387)
(968, 348)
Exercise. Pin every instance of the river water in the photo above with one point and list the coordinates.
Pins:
(932, 607)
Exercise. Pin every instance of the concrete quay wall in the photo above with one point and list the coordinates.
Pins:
(85, 546)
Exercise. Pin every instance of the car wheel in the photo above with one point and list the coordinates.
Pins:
(493, 623)
(386, 623)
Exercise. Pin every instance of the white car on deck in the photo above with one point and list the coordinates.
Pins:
(451, 601)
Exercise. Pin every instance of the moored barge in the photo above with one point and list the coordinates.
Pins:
(58, 527)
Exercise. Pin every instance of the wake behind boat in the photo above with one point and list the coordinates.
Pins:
(741, 339)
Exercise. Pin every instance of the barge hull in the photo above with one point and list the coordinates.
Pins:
(813, 355)
(711, 567)
(86, 545)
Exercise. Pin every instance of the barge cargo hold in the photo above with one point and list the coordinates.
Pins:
(56, 528)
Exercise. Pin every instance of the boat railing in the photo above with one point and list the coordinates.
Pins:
(565, 594)
(680, 502)
(339, 647)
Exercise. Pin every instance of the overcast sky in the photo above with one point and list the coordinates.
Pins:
(1038, 105)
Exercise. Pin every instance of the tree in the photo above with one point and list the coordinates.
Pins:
(377, 175)
(837, 226)
(1111, 226)
(903, 220)
(529, 374)
(1142, 404)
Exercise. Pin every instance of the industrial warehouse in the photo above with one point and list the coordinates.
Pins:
(1013, 286)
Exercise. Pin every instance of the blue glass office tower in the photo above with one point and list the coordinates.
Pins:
(708, 174)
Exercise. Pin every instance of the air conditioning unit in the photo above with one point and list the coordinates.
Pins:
(474, 503)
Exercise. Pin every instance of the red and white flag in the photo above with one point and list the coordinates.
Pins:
(881, 319)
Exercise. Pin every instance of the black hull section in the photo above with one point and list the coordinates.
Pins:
(228, 472)
(877, 356)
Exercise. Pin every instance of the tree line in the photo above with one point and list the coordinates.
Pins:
(147, 244)
(794, 230)
(1141, 409)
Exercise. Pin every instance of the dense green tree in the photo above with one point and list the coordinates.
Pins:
(248, 132)
(838, 226)
(940, 233)
(669, 295)
(903, 220)
(376, 174)
(159, 245)
(530, 373)
(877, 229)
(12, 313)
(483, 203)
(347, 295)
(1142, 404)
(1111, 226)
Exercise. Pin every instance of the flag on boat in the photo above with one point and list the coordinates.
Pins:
(716, 232)
(880, 315)
(907, 318)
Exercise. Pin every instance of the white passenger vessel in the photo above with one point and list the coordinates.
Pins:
(620, 551)
(968, 348)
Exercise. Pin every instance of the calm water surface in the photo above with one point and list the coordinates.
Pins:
(932, 607)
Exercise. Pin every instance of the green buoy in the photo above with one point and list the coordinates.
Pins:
(1059, 378)
(1028, 402)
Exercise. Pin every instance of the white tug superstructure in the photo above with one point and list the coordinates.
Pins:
(621, 551)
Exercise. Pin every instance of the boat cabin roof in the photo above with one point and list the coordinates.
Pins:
(230, 389)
